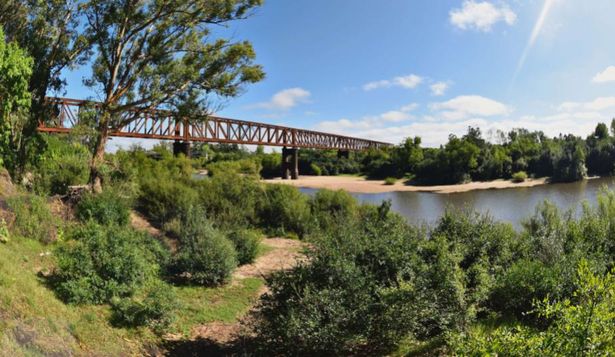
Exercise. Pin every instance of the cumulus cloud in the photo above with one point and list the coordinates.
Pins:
(410, 81)
(608, 75)
(481, 15)
(286, 99)
(465, 106)
(598, 104)
(439, 88)
(369, 122)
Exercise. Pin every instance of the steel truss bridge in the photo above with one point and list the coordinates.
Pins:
(166, 125)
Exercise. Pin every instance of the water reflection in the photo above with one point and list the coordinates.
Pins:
(511, 205)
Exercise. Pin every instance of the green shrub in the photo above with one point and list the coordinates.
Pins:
(327, 207)
(62, 164)
(389, 181)
(155, 310)
(243, 166)
(315, 169)
(98, 263)
(206, 256)
(271, 165)
(246, 244)
(519, 176)
(285, 210)
(164, 198)
(33, 219)
(108, 207)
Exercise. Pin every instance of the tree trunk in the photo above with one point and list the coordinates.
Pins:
(98, 158)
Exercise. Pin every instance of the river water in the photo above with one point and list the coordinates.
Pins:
(512, 205)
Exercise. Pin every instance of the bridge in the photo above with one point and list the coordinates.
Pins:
(166, 125)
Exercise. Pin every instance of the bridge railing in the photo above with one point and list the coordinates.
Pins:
(164, 125)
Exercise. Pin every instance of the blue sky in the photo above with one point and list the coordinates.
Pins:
(391, 69)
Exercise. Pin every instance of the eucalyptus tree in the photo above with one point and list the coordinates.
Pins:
(50, 31)
(163, 54)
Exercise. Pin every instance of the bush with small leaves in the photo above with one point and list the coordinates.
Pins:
(206, 256)
(390, 181)
(519, 176)
(108, 207)
(33, 218)
(98, 263)
(285, 210)
(155, 310)
(246, 244)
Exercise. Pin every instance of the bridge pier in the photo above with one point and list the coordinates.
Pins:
(181, 147)
(343, 154)
(290, 163)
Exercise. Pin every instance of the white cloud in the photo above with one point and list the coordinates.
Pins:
(465, 106)
(598, 104)
(369, 122)
(608, 75)
(410, 81)
(286, 99)
(439, 88)
(481, 15)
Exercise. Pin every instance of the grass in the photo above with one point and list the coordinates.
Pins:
(223, 304)
(33, 321)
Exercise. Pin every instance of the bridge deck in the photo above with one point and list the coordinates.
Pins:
(164, 125)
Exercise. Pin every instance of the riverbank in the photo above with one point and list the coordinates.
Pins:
(357, 184)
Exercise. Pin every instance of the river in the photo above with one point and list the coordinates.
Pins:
(511, 205)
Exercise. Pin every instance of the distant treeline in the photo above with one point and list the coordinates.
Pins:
(467, 158)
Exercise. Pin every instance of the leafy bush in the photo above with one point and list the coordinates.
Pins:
(582, 326)
(62, 164)
(520, 176)
(246, 244)
(164, 198)
(156, 310)
(328, 207)
(271, 165)
(205, 256)
(285, 210)
(98, 263)
(389, 181)
(108, 207)
(33, 219)
(315, 169)
(244, 166)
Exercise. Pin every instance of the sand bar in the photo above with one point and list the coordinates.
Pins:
(361, 185)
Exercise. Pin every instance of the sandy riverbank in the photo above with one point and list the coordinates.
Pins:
(361, 185)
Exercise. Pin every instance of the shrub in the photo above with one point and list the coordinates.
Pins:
(106, 208)
(246, 244)
(63, 164)
(520, 176)
(155, 310)
(327, 207)
(98, 263)
(33, 219)
(389, 181)
(271, 165)
(285, 210)
(164, 198)
(205, 256)
(315, 169)
(243, 166)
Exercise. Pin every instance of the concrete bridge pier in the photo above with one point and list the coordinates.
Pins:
(290, 163)
(181, 147)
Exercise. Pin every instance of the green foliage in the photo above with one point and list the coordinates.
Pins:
(16, 69)
(271, 165)
(163, 198)
(244, 167)
(33, 219)
(389, 181)
(315, 169)
(246, 244)
(98, 263)
(206, 256)
(63, 163)
(520, 176)
(106, 208)
(582, 326)
(284, 210)
(156, 310)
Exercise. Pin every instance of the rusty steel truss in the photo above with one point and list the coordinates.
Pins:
(164, 125)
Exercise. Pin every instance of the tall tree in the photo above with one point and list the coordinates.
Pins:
(15, 71)
(163, 54)
(50, 32)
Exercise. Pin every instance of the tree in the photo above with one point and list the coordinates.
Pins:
(601, 132)
(49, 32)
(163, 54)
(15, 71)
